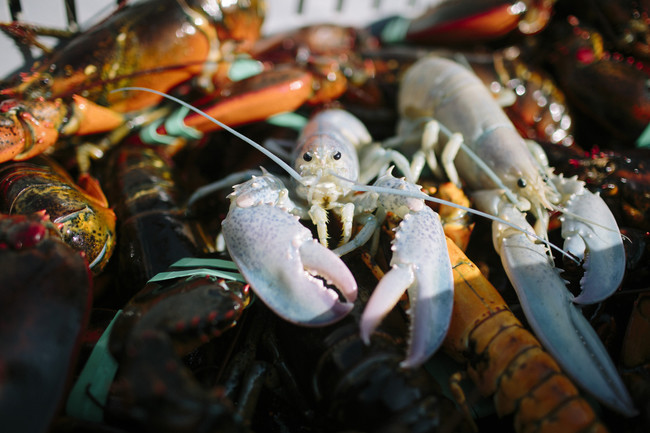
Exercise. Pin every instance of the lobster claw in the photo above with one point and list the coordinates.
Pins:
(556, 320)
(284, 265)
(591, 233)
(420, 265)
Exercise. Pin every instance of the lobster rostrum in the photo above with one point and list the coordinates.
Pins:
(510, 177)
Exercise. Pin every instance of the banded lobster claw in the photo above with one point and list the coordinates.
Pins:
(421, 266)
(550, 308)
(280, 259)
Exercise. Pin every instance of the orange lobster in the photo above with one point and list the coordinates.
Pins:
(506, 360)
(71, 92)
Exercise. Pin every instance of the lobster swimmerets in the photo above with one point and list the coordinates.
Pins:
(516, 177)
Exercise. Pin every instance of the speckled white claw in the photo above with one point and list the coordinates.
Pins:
(590, 232)
(279, 258)
(556, 320)
(420, 265)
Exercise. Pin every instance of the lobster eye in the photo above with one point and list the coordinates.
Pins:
(337, 156)
(521, 182)
(306, 156)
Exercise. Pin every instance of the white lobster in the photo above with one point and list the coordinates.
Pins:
(286, 267)
(510, 177)
(280, 260)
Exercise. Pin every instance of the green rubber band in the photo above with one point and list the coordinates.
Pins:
(176, 127)
(90, 391)
(191, 266)
(170, 275)
(395, 30)
(150, 135)
(644, 139)
(288, 120)
(188, 262)
(244, 68)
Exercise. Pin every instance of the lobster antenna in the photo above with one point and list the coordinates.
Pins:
(382, 190)
(293, 173)
(357, 186)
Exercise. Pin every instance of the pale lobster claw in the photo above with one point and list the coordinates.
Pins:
(552, 313)
(280, 259)
(591, 233)
(421, 266)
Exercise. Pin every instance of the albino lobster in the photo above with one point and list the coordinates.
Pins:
(509, 177)
(295, 276)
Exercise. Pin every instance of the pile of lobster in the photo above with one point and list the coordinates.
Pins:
(162, 271)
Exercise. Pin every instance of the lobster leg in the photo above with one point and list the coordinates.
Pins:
(280, 259)
(420, 265)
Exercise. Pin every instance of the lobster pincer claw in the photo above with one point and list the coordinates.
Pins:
(556, 320)
(591, 233)
(284, 265)
(420, 265)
